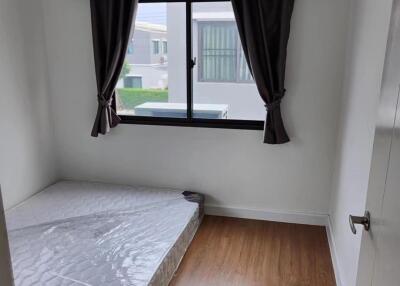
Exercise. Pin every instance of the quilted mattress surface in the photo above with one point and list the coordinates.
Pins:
(78, 233)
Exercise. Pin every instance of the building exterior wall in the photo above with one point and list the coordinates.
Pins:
(152, 68)
(160, 57)
(141, 48)
(176, 54)
(154, 77)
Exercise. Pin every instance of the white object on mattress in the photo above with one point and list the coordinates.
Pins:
(76, 233)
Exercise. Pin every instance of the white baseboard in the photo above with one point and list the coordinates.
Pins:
(334, 256)
(280, 216)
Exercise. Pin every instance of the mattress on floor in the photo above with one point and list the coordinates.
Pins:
(76, 233)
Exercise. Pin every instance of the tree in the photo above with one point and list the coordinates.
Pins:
(126, 68)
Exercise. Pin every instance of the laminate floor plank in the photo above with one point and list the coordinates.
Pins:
(242, 252)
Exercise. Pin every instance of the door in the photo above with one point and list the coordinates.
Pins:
(379, 263)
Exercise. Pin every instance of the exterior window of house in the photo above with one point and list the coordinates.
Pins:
(221, 57)
(165, 47)
(243, 70)
(132, 82)
(156, 47)
(217, 51)
(192, 68)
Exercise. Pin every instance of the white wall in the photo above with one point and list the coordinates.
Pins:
(363, 73)
(153, 76)
(176, 15)
(233, 167)
(243, 99)
(26, 148)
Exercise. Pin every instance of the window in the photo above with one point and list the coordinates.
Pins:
(219, 46)
(144, 90)
(193, 74)
(165, 47)
(156, 47)
(217, 51)
(132, 81)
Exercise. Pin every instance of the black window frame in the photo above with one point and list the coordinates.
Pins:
(190, 121)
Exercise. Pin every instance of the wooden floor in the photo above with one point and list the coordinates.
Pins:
(231, 251)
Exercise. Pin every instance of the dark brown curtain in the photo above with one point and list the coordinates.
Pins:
(111, 25)
(264, 27)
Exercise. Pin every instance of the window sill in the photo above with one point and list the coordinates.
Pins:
(195, 122)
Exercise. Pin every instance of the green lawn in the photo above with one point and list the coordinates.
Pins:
(131, 97)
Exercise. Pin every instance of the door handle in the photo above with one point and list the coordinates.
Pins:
(364, 220)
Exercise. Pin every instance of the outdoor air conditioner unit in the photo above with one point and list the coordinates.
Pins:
(179, 110)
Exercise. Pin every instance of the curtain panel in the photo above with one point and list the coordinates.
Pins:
(264, 27)
(111, 26)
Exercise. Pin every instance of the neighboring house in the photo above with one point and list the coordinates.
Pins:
(147, 57)
(148, 44)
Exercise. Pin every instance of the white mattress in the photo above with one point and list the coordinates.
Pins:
(78, 233)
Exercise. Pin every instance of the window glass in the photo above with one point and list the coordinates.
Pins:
(153, 79)
(217, 50)
(156, 47)
(223, 87)
(165, 47)
(243, 69)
